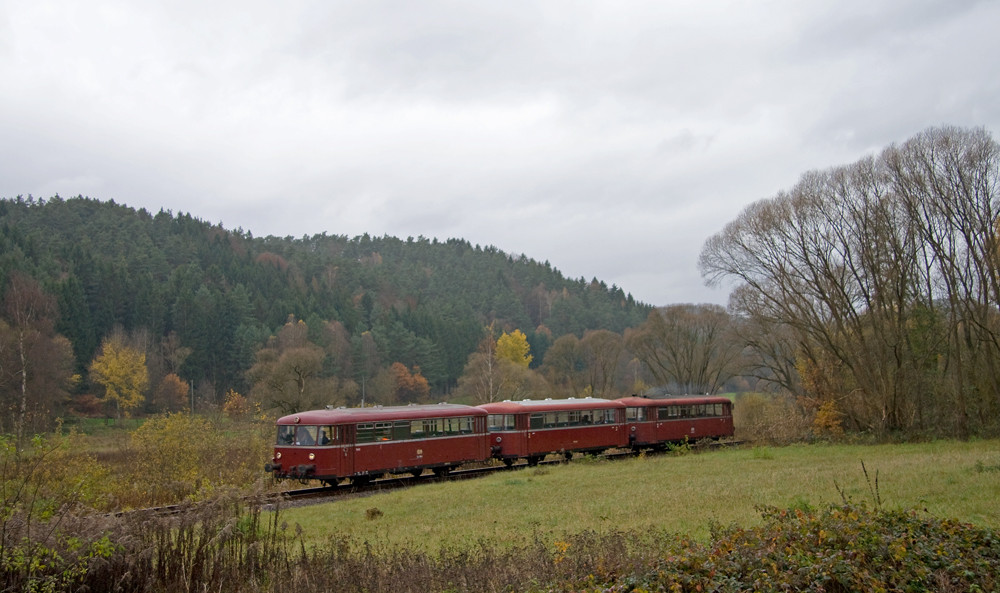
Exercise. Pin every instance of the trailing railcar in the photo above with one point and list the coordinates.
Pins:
(362, 444)
(655, 422)
(532, 429)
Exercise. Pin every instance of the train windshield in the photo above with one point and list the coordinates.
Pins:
(307, 435)
(500, 422)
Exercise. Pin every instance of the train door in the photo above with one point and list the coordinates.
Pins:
(348, 434)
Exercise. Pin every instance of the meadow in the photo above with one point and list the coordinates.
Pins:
(679, 493)
(798, 517)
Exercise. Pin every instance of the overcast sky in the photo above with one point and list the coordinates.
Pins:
(608, 138)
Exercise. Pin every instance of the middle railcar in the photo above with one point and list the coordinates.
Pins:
(365, 443)
(532, 429)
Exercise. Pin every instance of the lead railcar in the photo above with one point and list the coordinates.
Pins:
(362, 444)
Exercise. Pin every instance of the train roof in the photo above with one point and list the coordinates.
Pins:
(680, 400)
(549, 405)
(380, 414)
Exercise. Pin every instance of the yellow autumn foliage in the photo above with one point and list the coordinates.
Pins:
(514, 347)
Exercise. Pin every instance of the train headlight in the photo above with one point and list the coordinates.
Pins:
(277, 455)
(312, 456)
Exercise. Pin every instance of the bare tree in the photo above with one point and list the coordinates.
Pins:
(40, 361)
(602, 350)
(690, 347)
(864, 266)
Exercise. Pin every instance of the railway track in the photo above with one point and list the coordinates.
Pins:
(316, 495)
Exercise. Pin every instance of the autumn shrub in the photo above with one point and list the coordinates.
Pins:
(231, 544)
(767, 418)
(839, 548)
(237, 406)
(44, 483)
(39, 477)
(180, 457)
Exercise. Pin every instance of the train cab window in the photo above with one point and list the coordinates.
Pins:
(501, 422)
(286, 435)
(306, 435)
(604, 416)
(635, 414)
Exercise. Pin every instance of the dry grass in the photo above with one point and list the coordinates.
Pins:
(681, 494)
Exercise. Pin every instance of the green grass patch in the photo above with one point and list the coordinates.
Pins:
(680, 494)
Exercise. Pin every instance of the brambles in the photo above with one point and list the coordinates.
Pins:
(838, 548)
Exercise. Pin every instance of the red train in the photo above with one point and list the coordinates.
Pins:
(361, 444)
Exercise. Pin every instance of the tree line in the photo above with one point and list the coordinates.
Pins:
(866, 298)
(290, 321)
(873, 288)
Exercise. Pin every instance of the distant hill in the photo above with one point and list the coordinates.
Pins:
(218, 295)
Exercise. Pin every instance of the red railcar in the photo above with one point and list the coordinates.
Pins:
(654, 422)
(531, 429)
(365, 443)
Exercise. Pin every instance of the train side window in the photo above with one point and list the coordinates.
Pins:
(365, 433)
(286, 435)
(537, 421)
(383, 431)
(328, 435)
(417, 429)
(401, 430)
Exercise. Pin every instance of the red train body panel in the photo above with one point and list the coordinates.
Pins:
(652, 422)
(531, 429)
(361, 443)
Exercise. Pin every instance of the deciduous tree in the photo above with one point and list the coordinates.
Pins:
(514, 347)
(121, 370)
(36, 366)
(690, 348)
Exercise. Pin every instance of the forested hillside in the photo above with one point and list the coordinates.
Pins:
(220, 310)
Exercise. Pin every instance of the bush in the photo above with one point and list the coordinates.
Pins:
(839, 548)
(778, 419)
(181, 457)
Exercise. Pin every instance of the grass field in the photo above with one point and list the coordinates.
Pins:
(681, 494)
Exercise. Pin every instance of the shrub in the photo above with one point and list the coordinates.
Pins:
(760, 417)
(839, 548)
(181, 457)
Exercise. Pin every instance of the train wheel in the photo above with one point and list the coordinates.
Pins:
(416, 473)
(533, 460)
(361, 480)
(441, 471)
(331, 483)
(568, 455)
(508, 461)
